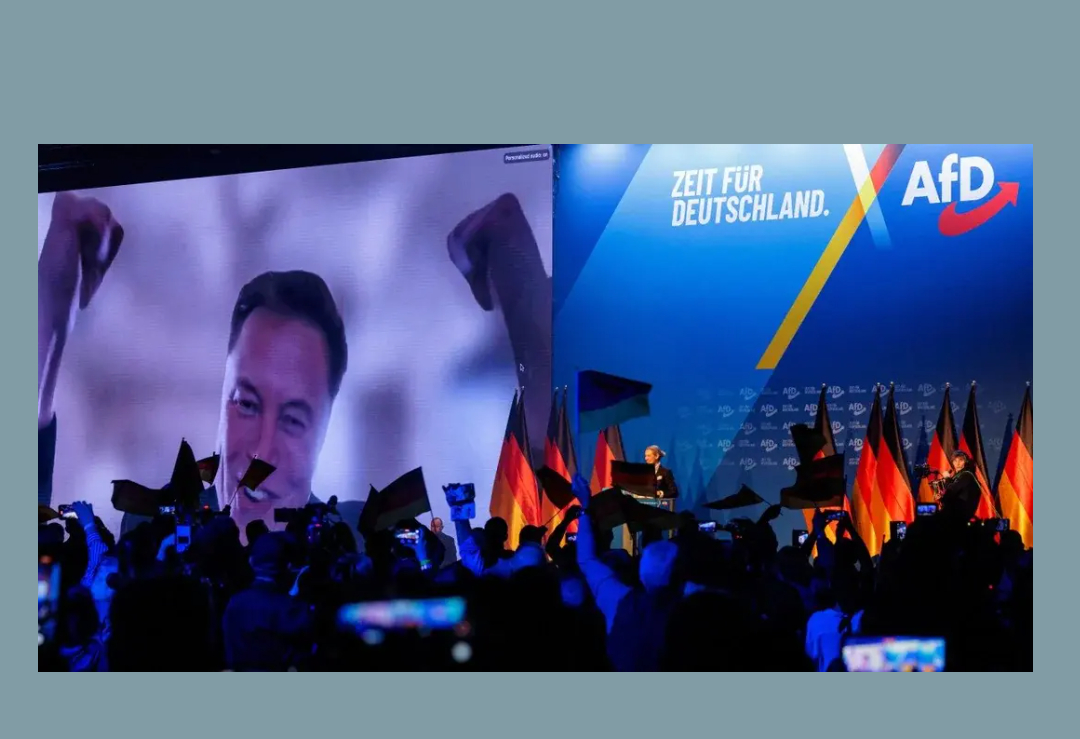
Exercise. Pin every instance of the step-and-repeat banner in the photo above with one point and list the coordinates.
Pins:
(740, 278)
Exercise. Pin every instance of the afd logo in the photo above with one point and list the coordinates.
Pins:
(726, 411)
(955, 407)
(856, 444)
(791, 393)
(769, 410)
(835, 392)
(747, 463)
(927, 389)
(725, 444)
(747, 393)
(907, 444)
(856, 409)
(791, 462)
(788, 424)
(748, 428)
(903, 407)
(837, 427)
(930, 427)
(962, 171)
(811, 408)
(768, 445)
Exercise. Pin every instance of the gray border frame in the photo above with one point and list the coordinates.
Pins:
(966, 72)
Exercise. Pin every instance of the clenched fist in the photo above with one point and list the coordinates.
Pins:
(80, 245)
(82, 242)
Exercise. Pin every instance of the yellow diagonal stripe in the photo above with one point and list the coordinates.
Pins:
(849, 224)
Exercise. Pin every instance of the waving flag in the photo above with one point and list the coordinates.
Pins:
(607, 400)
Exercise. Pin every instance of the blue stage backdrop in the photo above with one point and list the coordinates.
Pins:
(739, 278)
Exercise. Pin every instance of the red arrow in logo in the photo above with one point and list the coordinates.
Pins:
(951, 223)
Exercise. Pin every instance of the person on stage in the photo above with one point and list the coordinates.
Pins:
(960, 498)
(665, 479)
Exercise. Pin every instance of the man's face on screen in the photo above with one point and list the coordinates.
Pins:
(276, 405)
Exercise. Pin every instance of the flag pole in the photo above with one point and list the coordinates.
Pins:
(577, 415)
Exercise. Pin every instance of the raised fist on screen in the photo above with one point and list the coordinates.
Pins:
(80, 245)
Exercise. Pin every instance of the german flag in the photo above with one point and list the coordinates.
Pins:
(1016, 490)
(559, 456)
(404, 499)
(208, 468)
(971, 442)
(514, 496)
(607, 400)
(942, 447)
(186, 483)
(893, 482)
(609, 448)
(862, 493)
(823, 426)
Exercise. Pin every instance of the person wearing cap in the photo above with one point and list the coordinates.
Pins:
(285, 360)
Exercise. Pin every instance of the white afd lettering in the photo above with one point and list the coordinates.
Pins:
(921, 183)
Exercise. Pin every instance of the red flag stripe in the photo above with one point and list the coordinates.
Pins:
(892, 477)
(823, 425)
(1016, 489)
(559, 456)
(515, 495)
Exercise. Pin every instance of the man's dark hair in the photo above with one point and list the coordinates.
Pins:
(296, 294)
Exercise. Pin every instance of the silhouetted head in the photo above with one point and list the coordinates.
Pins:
(254, 530)
(657, 567)
(532, 535)
(496, 533)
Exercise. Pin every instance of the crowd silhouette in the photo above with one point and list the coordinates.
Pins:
(690, 601)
